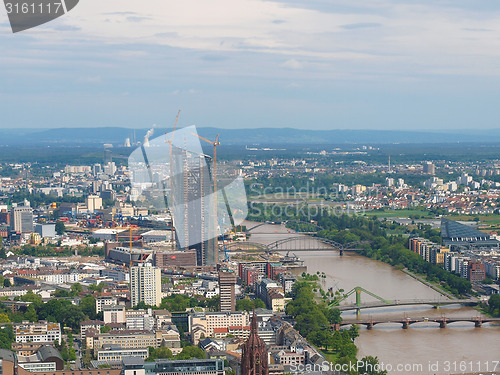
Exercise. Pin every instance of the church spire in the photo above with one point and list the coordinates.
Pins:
(254, 359)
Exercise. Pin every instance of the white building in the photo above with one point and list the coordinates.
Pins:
(37, 332)
(145, 285)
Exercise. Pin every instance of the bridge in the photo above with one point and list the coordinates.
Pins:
(431, 302)
(443, 321)
(294, 244)
(314, 227)
(382, 302)
(308, 243)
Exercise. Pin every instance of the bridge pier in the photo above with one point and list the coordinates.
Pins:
(442, 324)
(341, 252)
(369, 325)
(478, 323)
(406, 325)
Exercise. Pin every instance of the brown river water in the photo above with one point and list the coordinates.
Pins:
(424, 348)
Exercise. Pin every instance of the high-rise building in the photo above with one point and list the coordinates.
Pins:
(227, 283)
(429, 168)
(145, 285)
(254, 359)
(21, 219)
(193, 214)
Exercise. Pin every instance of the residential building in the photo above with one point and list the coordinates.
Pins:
(145, 284)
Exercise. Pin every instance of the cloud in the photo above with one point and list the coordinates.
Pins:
(293, 64)
(361, 25)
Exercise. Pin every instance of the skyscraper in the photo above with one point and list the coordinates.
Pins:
(192, 185)
(145, 285)
(227, 282)
(254, 359)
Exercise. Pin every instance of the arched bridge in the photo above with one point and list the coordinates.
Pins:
(307, 243)
(294, 244)
(443, 321)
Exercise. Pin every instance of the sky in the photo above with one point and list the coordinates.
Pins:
(308, 64)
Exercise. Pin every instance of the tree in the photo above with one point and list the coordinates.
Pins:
(248, 304)
(76, 288)
(4, 318)
(333, 316)
(105, 329)
(191, 352)
(370, 366)
(494, 303)
(87, 305)
(31, 314)
(60, 228)
(159, 353)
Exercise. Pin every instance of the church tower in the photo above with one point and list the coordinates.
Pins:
(254, 359)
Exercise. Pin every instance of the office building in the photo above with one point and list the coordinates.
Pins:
(429, 168)
(194, 212)
(145, 284)
(46, 230)
(21, 219)
(93, 203)
(227, 283)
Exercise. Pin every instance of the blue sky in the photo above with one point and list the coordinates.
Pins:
(380, 64)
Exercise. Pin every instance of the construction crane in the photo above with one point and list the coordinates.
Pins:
(169, 141)
(214, 178)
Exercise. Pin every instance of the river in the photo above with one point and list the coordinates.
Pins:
(424, 348)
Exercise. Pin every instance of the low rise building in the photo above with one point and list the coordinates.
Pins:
(37, 332)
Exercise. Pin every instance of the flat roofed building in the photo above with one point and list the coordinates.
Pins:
(37, 332)
(145, 285)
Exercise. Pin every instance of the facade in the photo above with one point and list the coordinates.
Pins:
(145, 285)
(476, 271)
(126, 339)
(102, 301)
(21, 219)
(114, 353)
(46, 230)
(227, 283)
(172, 259)
(37, 332)
(205, 324)
(114, 314)
(137, 366)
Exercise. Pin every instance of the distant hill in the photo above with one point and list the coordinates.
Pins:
(250, 137)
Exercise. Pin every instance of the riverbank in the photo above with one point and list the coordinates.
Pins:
(430, 285)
